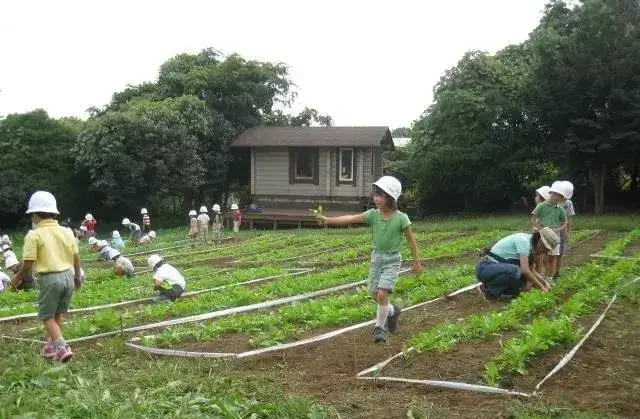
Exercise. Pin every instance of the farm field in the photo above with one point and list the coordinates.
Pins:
(259, 332)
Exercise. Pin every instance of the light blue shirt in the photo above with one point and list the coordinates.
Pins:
(513, 246)
(118, 243)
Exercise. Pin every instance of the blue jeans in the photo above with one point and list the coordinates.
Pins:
(500, 279)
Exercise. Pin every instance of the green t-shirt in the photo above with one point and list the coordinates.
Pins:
(550, 214)
(387, 234)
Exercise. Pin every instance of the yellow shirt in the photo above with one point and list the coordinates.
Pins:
(50, 246)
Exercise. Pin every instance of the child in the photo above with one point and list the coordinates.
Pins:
(542, 194)
(193, 227)
(6, 240)
(124, 267)
(90, 223)
(237, 217)
(148, 238)
(388, 226)
(82, 231)
(7, 251)
(569, 212)
(146, 220)
(203, 224)
(217, 223)
(5, 282)
(105, 252)
(49, 250)
(134, 228)
(117, 241)
(166, 278)
(13, 264)
(550, 214)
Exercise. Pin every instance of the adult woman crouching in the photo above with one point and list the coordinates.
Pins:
(507, 268)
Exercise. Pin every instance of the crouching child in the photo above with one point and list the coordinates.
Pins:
(166, 279)
(13, 264)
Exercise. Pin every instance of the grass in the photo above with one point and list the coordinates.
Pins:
(104, 383)
(105, 380)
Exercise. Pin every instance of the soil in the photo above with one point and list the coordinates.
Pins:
(632, 249)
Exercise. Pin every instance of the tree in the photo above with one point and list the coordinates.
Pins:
(144, 154)
(35, 154)
(306, 118)
(473, 147)
(586, 88)
(401, 132)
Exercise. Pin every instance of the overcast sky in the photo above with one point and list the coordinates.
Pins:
(362, 62)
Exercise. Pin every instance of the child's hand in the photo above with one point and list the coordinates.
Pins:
(322, 220)
(416, 267)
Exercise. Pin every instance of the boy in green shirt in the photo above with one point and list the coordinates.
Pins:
(551, 214)
(388, 225)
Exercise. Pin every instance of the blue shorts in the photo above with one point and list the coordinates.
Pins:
(383, 272)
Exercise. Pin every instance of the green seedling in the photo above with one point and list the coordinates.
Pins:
(317, 212)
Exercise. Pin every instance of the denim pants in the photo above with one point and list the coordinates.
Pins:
(500, 278)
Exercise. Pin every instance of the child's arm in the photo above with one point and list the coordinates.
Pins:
(25, 268)
(569, 220)
(413, 247)
(343, 219)
(535, 223)
(530, 275)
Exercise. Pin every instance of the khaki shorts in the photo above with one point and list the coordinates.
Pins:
(56, 290)
(383, 272)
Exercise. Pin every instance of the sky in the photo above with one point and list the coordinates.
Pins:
(362, 62)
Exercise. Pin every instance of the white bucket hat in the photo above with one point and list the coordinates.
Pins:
(568, 188)
(125, 222)
(143, 211)
(115, 234)
(544, 191)
(153, 260)
(390, 185)
(42, 201)
(11, 261)
(560, 188)
(203, 209)
(152, 234)
(192, 213)
(92, 241)
(234, 206)
(216, 207)
(88, 217)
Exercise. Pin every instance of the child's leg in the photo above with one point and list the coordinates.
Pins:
(382, 297)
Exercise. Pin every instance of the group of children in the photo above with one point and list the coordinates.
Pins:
(56, 271)
(555, 210)
(51, 252)
(199, 224)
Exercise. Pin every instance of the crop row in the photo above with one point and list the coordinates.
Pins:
(112, 319)
(448, 334)
(291, 321)
(116, 290)
(561, 328)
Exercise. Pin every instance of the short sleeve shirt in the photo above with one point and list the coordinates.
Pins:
(513, 246)
(169, 275)
(567, 206)
(50, 246)
(387, 234)
(550, 214)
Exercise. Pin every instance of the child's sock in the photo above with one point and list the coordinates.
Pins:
(59, 342)
(381, 315)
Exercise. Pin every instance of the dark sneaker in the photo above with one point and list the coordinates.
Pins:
(379, 334)
(392, 321)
